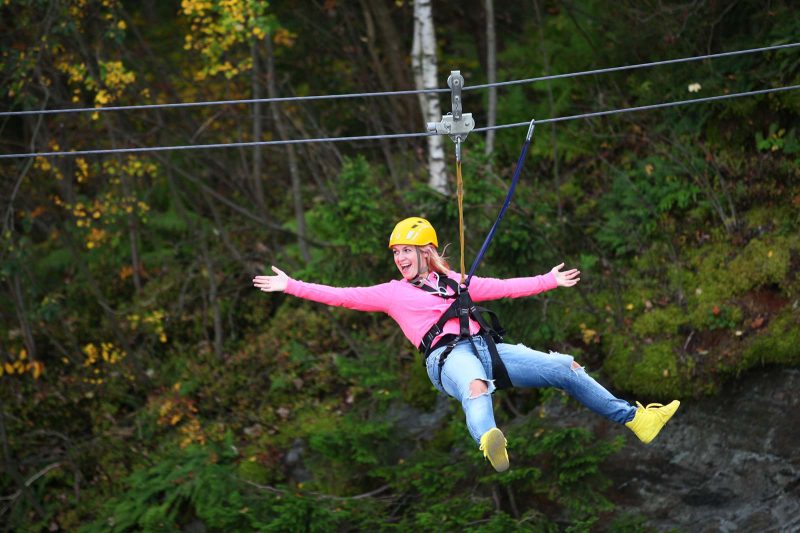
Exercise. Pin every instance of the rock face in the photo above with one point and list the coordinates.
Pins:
(724, 464)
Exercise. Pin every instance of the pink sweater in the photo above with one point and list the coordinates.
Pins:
(414, 309)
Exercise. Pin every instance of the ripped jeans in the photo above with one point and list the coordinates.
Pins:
(526, 368)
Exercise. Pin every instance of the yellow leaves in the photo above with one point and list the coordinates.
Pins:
(648, 169)
(284, 37)
(95, 238)
(195, 7)
(221, 32)
(125, 272)
(179, 413)
(38, 368)
(21, 365)
(81, 170)
(115, 76)
(42, 163)
(589, 335)
(153, 322)
(77, 73)
(106, 352)
(101, 98)
(121, 25)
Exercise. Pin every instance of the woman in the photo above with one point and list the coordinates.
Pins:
(462, 368)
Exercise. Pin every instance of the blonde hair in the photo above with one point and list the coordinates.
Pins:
(436, 263)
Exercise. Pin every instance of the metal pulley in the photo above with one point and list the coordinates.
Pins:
(456, 124)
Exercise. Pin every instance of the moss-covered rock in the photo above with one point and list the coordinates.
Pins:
(780, 343)
(651, 370)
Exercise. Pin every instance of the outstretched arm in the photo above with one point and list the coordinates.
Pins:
(568, 278)
(374, 298)
(483, 289)
(275, 283)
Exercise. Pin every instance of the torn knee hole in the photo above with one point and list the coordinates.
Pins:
(478, 387)
(575, 365)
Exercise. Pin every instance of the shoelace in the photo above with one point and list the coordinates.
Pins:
(483, 449)
(649, 406)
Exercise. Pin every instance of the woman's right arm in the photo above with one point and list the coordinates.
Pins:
(359, 298)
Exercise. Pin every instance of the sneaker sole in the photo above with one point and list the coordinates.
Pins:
(495, 450)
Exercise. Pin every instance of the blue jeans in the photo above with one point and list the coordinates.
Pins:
(526, 368)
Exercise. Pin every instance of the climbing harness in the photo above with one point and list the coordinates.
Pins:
(458, 125)
(464, 309)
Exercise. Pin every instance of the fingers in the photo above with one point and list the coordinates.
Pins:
(274, 283)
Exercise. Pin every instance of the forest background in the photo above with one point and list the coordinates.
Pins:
(146, 386)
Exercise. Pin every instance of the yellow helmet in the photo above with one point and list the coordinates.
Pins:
(413, 230)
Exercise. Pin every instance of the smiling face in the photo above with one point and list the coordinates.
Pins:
(407, 258)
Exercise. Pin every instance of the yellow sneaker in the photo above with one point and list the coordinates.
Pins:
(649, 420)
(493, 446)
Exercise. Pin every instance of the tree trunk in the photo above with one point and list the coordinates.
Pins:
(22, 315)
(551, 104)
(491, 74)
(258, 188)
(293, 169)
(385, 85)
(213, 298)
(395, 57)
(423, 62)
(133, 235)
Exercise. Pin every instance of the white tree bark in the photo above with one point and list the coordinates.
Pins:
(491, 73)
(423, 63)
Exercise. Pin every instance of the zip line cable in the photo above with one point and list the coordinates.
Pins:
(629, 67)
(391, 93)
(640, 108)
(396, 135)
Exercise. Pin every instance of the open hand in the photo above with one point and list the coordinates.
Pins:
(275, 283)
(568, 278)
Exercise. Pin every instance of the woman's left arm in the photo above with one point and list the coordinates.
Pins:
(492, 289)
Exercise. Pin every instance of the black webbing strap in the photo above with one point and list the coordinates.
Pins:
(463, 308)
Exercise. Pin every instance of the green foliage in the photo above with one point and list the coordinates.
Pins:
(639, 200)
(192, 483)
(355, 226)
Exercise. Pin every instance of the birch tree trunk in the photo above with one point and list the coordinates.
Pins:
(491, 73)
(423, 63)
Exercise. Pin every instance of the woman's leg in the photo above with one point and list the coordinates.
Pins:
(530, 368)
(464, 377)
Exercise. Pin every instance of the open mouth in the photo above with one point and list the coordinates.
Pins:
(405, 269)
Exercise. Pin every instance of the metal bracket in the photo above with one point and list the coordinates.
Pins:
(455, 124)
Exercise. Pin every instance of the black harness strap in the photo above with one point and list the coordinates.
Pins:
(463, 308)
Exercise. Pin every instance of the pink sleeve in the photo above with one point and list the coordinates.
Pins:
(482, 289)
(372, 298)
